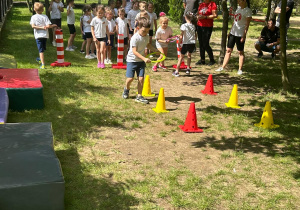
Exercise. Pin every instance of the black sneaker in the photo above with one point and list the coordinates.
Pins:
(141, 99)
(273, 55)
(200, 62)
(259, 55)
(125, 94)
(213, 62)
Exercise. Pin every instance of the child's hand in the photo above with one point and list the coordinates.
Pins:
(108, 41)
(167, 41)
(147, 60)
(94, 39)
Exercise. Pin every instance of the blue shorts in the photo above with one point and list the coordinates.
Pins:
(41, 44)
(264, 47)
(112, 38)
(138, 67)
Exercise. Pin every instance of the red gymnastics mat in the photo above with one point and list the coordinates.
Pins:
(24, 88)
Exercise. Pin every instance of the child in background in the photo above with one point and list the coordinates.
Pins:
(71, 26)
(122, 28)
(40, 23)
(153, 20)
(141, 14)
(117, 6)
(56, 8)
(136, 60)
(131, 17)
(112, 30)
(83, 35)
(100, 32)
(188, 37)
(87, 19)
(111, 4)
(162, 34)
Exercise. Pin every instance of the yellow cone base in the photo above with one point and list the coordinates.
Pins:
(266, 126)
(160, 105)
(147, 95)
(159, 110)
(267, 121)
(232, 106)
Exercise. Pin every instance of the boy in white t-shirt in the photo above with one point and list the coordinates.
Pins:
(131, 17)
(56, 8)
(112, 30)
(71, 25)
(86, 20)
(121, 23)
(136, 60)
(40, 23)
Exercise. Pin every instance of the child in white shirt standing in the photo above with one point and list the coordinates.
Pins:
(122, 28)
(100, 31)
(56, 8)
(188, 36)
(153, 20)
(40, 23)
(112, 30)
(86, 20)
(71, 25)
(131, 17)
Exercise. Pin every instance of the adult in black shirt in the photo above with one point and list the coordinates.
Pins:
(269, 40)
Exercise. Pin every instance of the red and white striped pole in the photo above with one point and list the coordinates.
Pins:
(178, 45)
(120, 53)
(60, 50)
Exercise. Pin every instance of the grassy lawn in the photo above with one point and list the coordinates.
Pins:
(119, 154)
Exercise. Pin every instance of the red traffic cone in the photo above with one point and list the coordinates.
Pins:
(190, 124)
(209, 87)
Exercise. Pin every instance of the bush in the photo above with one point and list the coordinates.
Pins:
(160, 6)
(176, 11)
(265, 10)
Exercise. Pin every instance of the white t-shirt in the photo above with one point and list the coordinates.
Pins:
(122, 25)
(153, 17)
(86, 25)
(71, 16)
(40, 20)
(55, 12)
(128, 6)
(188, 34)
(99, 27)
(116, 12)
(111, 25)
(131, 16)
(140, 42)
(163, 34)
(240, 20)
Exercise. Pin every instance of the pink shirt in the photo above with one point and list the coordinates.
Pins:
(206, 10)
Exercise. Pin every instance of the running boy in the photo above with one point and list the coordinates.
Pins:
(40, 23)
(136, 60)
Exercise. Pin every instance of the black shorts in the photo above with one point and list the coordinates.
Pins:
(112, 38)
(72, 28)
(131, 31)
(83, 37)
(102, 39)
(188, 48)
(232, 40)
(88, 35)
(126, 41)
(151, 32)
(57, 22)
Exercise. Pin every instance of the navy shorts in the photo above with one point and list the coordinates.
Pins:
(41, 44)
(151, 32)
(232, 40)
(57, 22)
(188, 48)
(112, 38)
(138, 67)
(72, 28)
(88, 35)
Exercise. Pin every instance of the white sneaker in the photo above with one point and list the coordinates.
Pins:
(69, 49)
(89, 57)
(106, 61)
(54, 43)
(109, 61)
(73, 47)
(93, 55)
(239, 72)
(219, 69)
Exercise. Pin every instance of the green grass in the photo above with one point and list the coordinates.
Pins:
(118, 154)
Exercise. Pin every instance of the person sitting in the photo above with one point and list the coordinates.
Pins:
(269, 40)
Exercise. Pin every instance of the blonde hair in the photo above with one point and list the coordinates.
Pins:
(144, 14)
(100, 7)
(143, 2)
(162, 19)
(121, 10)
(38, 7)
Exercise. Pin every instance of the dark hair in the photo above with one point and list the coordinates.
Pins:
(273, 21)
(191, 17)
(143, 22)
(86, 8)
(248, 3)
(93, 5)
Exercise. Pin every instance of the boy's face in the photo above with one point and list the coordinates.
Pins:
(143, 31)
(100, 13)
(135, 6)
(150, 8)
(118, 4)
(109, 15)
(122, 15)
(142, 7)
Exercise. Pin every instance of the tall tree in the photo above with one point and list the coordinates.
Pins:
(224, 31)
(284, 71)
(269, 11)
(48, 14)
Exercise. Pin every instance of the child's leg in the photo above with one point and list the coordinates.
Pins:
(128, 83)
(179, 62)
(109, 52)
(165, 51)
(88, 44)
(42, 58)
(140, 85)
(160, 57)
(93, 47)
(189, 58)
(125, 51)
(98, 51)
(82, 45)
(71, 40)
(101, 52)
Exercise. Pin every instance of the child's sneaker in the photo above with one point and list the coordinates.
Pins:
(38, 60)
(99, 65)
(42, 66)
(162, 66)
(154, 68)
(239, 72)
(54, 43)
(102, 66)
(141, 99)
(69, 49)
(106, 61)
(109, 61)
(175, 74)
(82, 51)
(219, 69)
(188, 71)
(89, 57)
(73, 47)
(93, 55)
(125, 94)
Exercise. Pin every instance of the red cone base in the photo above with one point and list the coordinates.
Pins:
(209, 87)
(60, 64)
(119, 66)
(190, 124)
(182, 66)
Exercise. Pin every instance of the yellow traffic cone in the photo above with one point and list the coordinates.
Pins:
(160, 105)
(267, 118)
(233, 100)
(147, 88)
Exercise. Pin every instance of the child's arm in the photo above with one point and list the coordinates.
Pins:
(43, 27)
(137, 54)
(114, 31)
(90, 20)
(107, 34)
(61, 9)
(81, 26)
(155, 24)
(68, 10)
(93, 33)
(117, 28)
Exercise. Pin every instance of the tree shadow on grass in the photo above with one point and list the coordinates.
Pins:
(92, 192)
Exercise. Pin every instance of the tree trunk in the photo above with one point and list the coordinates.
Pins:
(284, 71)
(268, 12)
(224, 31)
(48, 14)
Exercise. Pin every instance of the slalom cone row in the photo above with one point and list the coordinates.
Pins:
(190, 125)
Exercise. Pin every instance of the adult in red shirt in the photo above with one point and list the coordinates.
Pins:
(207, 12)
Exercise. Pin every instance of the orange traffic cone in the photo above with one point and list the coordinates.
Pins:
(209, 87)
(190, 124)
